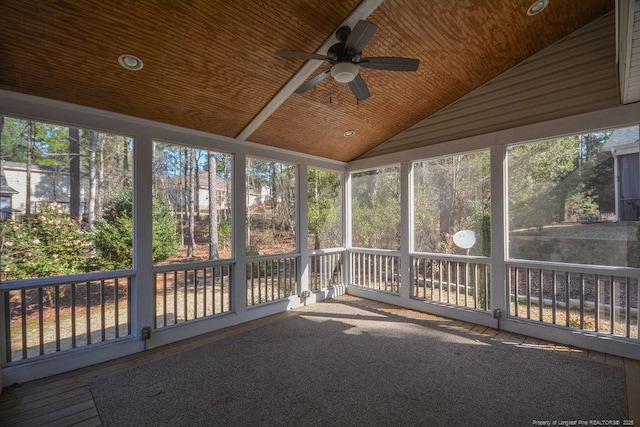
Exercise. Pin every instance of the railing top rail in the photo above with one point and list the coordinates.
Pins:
(65, 280)
(327, 251)
(577, 268)
(449, 257)
(192, 265)
(371, 251)
(272, 257)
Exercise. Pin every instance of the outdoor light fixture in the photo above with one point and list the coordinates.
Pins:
(349, 133)
(344, 72)
(537, 7)
(130, 62)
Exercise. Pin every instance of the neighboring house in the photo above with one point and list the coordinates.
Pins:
(223, 193)
(624, 145)
(47, 184)
(6, 197)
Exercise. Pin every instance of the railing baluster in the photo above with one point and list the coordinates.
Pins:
(253, 297)
(57, 314)
(540, 292)
(627, 294)
(568, 298)
(516, 289)
(272, 281)
(7, 326)
(102, 311)
(554, 284)
(440, 280)
(433, 279)
(582, 279)
(612, 304)
(485, 273)
(289, 278)
(528, 278)
(185, 291)
(597, 303)
(215, 271)
(204, 291)
(194, 280)
(457, 282)
(41, 320)
(475, 285)
(116, 310)
(73, 315)
(23, 297)
(450, 280)
(88, 311)
(637, 309)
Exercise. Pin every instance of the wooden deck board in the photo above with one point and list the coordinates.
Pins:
(68, 413)
(37, 404)
(65, 399)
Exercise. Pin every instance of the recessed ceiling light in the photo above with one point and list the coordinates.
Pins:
(130, 62)
(349, 133)
(537, 7)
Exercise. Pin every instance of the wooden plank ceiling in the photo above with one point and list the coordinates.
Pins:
(210, 65)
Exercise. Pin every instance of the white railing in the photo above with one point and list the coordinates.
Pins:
(603, 300)
(191, 291)
(325, 268)
(271, 277)
(51, 315)
(377, 269)
(457, 280)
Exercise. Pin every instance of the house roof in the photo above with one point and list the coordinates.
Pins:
(4, 187)
(628, 137)
(211, 66)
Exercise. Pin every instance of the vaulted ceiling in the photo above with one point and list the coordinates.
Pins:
(211, 65)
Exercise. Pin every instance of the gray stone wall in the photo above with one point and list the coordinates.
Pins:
(574, 250)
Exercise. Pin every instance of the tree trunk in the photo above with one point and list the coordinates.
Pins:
(93, 182)
(125, 161)
(100, 183)
(74, 173)
(274, 189)
(196, 193)
(213, 210)
(191, 203)
(30, 137)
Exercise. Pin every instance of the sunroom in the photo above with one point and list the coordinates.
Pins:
(174, 175)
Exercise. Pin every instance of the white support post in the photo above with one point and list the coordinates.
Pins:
(143, 289)
(239, 276)
(302, 228)
(346, 228)
(406, 219)
(498, 230)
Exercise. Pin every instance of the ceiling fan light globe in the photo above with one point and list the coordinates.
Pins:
(344, 72)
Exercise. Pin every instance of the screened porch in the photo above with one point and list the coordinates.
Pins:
(132, 230)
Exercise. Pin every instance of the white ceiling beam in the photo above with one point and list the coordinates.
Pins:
(364, 9)
(627, 31)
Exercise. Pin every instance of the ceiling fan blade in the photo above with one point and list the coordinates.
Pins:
(303, 55)
(390, 63)
(360, 36)
(359, 88)
(314, 81)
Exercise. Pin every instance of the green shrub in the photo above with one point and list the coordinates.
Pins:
(224, 234)
(114, 233)
(48, 244)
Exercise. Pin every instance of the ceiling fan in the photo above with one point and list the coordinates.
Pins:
(345, 57)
